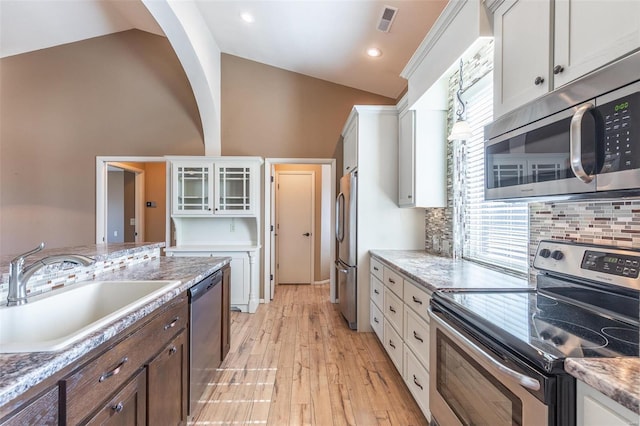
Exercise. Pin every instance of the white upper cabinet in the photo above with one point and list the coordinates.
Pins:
(522, 31)
(192, 188)
(215, 186)
(422, 162)
(590, 34)
(350, 147)
(236, 192)
(587, 35)
(406, 170)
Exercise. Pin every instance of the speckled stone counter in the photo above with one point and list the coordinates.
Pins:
(19, 372)
(442, 273)
(617, 378)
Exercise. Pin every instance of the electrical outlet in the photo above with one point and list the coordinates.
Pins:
(115, 233)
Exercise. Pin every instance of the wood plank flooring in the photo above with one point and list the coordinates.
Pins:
(295, 362)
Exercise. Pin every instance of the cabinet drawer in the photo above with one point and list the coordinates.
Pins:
(393, 345)
(417, 299)
(417, 380)
(376, 268)
(416, 336)
(377, 291)
(98, 379)
(393, 310)
(393, 281)
(43, 411)
(377, 321)
(127, 407)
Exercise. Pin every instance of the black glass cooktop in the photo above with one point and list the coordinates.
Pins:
(542, 328)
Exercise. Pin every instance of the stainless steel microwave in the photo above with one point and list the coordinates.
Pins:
(589, 150)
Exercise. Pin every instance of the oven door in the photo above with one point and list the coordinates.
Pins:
(470, 387)
(555, 156)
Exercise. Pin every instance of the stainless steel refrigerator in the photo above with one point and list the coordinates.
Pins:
(346, 234)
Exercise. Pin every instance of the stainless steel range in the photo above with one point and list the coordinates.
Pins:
(497, 357)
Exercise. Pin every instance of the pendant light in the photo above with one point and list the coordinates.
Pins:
(461, 130)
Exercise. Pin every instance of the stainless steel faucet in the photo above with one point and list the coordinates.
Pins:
(19, 274)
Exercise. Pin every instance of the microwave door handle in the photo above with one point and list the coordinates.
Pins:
(575, 143)
(524, 380)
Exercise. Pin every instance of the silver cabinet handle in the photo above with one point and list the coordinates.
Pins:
(115, 371)
(376, 291)
(376, 320)
(391, 281)
(415, 336)
(391, 344)
(524, 380)
(575, 143)
(172, 323)
(391, 309)
(416, 300)
(375, 268)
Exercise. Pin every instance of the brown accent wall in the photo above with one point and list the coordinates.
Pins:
(155, 190)
(122, 94)
(271, 112)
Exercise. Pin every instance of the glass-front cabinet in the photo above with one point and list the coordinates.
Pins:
(234, 189)
(214, 186)
(192, 188)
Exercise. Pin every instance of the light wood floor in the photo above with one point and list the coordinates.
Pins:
(295, 362)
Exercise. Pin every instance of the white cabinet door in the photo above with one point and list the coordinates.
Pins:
(596, 409)
(522, 31)
(406, 155)
(590, 34)
(192, 188)
(235, 189)
(350, 148)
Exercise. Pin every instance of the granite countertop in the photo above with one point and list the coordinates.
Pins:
(19, 372)
(443, 273)
(617, 378)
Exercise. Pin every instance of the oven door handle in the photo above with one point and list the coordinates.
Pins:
(524, 380)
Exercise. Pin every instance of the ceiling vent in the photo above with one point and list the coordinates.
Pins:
(388, 15)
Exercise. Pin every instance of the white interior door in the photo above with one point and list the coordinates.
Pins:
(294, 226)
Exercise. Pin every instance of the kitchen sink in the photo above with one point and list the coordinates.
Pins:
(55, 320)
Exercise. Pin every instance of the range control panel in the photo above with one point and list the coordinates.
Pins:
(604, 264)
(611, 263)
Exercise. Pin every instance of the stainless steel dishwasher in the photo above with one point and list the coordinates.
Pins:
(205, 334)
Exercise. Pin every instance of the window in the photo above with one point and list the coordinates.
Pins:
(494, 233)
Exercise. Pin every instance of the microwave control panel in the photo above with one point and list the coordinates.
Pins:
(621, 122)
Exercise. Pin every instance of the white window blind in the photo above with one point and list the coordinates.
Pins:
(495, 233)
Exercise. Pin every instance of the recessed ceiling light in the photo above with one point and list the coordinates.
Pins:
(247, 17)
(374, 52)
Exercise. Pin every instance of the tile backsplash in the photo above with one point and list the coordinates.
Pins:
(58, 275)
(613, 223)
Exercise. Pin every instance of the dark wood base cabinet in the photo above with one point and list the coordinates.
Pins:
(41, 411)
(168, 383)
(128, 407)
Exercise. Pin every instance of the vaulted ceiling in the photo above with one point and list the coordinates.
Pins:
(326, 39)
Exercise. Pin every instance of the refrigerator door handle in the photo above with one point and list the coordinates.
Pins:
(340, 217)
(340, 268)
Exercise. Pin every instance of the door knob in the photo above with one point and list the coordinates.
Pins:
(306, 234)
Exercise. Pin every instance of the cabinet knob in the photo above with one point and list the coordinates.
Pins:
(538, 81)
(173, 350)
(558, 69)
(409, 196)
(118, 407)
